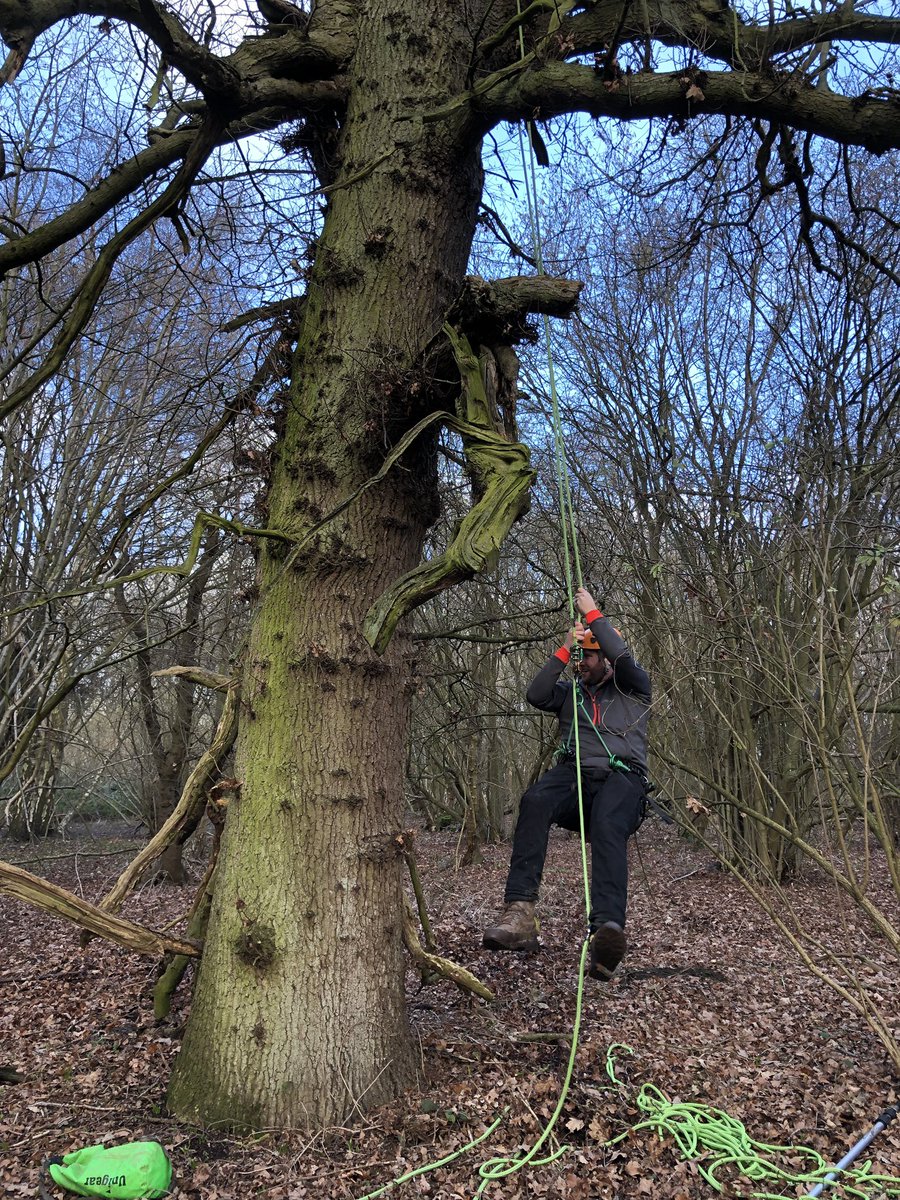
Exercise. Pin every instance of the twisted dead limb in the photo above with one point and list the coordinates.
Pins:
(33, 890)
(483, 324)
(183, 821)
(501, 475)
(433, 962)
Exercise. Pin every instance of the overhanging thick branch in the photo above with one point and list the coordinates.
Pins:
(563, 87)
(21, 23)
(129, 175)
(315, 53)
(287, 312)
(78, 217)
(96, 278)
(718, 32)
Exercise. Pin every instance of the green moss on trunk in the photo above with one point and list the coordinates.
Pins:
(309, 853)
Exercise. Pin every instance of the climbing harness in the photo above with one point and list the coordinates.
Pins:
(564, 754)
(615, 762)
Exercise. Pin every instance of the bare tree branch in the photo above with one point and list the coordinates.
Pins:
(129, 175)
(33, 890)
(97, 277)
(563, 87)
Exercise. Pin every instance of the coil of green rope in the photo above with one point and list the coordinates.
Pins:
(699, 1130)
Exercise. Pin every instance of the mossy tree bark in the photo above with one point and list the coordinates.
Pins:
(299, 1010)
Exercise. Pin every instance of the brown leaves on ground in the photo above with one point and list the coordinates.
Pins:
(715, 1007)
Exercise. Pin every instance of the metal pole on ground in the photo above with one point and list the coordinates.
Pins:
(882, 1123)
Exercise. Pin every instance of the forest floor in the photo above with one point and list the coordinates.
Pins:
(714, 1005)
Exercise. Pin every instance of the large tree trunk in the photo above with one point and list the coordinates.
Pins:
(299, 1010)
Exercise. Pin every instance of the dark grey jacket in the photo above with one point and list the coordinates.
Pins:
(618, 709)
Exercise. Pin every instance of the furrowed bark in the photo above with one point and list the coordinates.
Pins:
(299, 1012)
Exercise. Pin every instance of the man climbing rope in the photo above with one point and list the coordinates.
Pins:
(612, 693)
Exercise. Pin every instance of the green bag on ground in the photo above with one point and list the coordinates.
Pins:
(135, 1171)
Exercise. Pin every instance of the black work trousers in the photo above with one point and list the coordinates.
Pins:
(613, 807)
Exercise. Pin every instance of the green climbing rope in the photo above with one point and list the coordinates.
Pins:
(706, 1136)
(717, 1141)
(434, 1166)
(496, 1169)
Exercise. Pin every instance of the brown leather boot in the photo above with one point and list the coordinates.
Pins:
(608, 946)
(517, 928)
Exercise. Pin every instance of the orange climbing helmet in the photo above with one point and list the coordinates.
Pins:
(589, 642)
